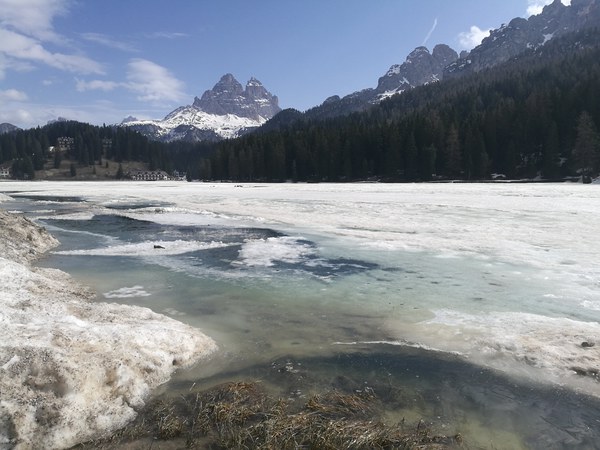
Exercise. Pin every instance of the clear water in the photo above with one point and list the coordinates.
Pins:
(337, 310)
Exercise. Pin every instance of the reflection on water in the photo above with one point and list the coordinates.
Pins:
(277, 304)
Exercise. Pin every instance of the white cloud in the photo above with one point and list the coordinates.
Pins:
(25, 27)
(33, 17)
(535, 7)
(472, 38)
(166, 35)
(152, 82)
(431, 30)
(12, 95)
(107, 41)
(20, 47)
(96, 85)
(19, 117)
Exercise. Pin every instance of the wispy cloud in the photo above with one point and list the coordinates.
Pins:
(166, 35)
(472, 38)
(96, 85)
(26, 26)
(33, 17)
(12, 95)
(108, 41)
(15, 46)
(535, 7)
(152, 82)
(430, 32)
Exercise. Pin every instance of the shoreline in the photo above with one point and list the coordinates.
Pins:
(71, 369)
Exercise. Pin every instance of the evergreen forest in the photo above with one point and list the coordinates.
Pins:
(535, 117)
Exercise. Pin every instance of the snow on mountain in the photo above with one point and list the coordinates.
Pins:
(7, 128)
(226, 111)
(420, 67)
(520, 35)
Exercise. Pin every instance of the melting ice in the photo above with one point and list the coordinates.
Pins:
(504, 275)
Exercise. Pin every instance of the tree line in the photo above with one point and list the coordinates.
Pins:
(524, 119)
(535, 116)
(30, 150)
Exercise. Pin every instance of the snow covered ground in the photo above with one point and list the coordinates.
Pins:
(517, 265)
(71, 369)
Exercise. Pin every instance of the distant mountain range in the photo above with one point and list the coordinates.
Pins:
(8, 128)
(228, 110)
(504, 43)
(521, 35)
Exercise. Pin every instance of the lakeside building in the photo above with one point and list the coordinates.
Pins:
(148, 175)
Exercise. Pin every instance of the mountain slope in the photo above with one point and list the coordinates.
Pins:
(521, 35)
(8, 128)
(420, 67)
(226, 111)
(508, 41)
(516, 120)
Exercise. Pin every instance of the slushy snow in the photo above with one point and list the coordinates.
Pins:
(70, 369)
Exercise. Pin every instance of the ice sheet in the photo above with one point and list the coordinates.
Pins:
(543, 233)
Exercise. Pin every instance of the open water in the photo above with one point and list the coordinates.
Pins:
(454, 305)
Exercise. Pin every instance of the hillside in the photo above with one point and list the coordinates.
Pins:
(516, 120)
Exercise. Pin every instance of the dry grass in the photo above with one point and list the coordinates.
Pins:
(241, 416)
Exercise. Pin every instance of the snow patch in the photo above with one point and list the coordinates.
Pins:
(70, 369)
(127, 292)
(266, 252)
(147, 248)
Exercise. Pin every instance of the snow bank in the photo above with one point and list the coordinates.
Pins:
(551, 349)
(71, 369)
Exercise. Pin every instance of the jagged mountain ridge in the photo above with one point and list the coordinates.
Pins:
(521, 35)
(503, 44)
(228, 110)
(420, 67)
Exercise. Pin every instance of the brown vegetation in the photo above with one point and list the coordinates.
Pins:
(240, 415)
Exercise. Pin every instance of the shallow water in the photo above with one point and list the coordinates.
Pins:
(351, 299)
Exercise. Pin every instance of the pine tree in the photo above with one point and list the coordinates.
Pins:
(587, 147)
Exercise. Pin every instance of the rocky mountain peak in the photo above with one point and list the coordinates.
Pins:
(444, 55)
(522, 34)
(229, 97)
(420, 67)
(225, 111)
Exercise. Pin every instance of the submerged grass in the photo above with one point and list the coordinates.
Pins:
(240, 415)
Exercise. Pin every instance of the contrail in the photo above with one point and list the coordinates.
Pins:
(433, 27)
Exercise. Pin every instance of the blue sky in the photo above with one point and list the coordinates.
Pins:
(99, 61)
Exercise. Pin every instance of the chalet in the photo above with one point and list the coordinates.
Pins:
(65, 144)
(5, 172)
(148, 175)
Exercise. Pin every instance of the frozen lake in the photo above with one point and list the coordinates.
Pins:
(480, 295)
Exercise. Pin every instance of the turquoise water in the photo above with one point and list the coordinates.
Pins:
(274, 299)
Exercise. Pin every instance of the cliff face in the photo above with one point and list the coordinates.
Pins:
(226, 111)
(520, 35)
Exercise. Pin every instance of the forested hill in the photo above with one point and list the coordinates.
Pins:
(84, 145)
(520, 119)
(534, 116)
